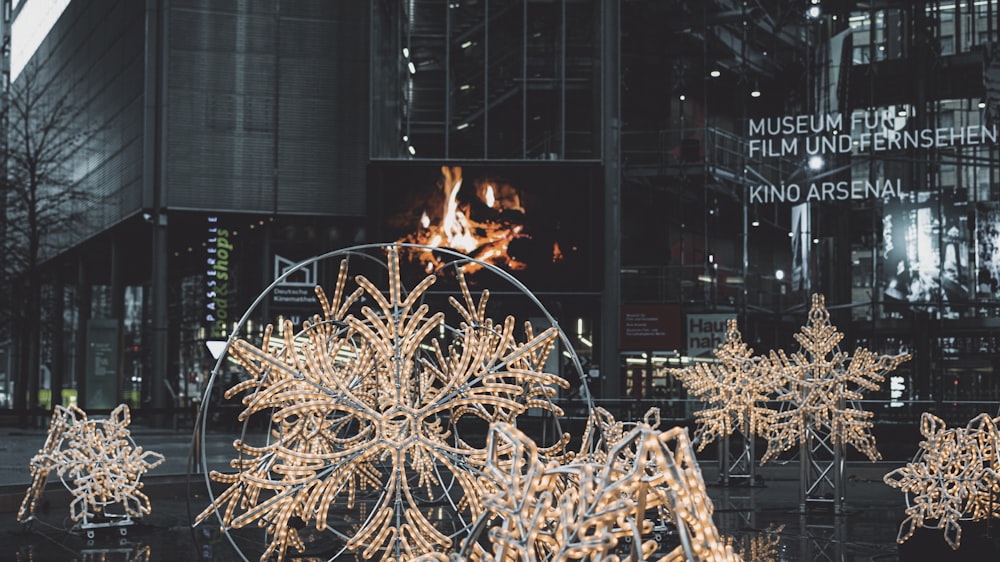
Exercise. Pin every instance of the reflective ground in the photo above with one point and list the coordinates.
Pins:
(764, 521)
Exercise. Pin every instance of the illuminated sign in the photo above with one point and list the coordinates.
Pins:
(897, 386)
(219, 249)
(809, 138)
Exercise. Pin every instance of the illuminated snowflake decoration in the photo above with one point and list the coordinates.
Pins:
(97, 461)
(954, 476)
(820, 388)
(735, 391)
(584, 509)
(368, 400)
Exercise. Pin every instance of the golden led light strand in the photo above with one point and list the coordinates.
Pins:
(955, 476)
(98, 463)
(365, 398)
(735, 391)
(582, 509)
(820, 388)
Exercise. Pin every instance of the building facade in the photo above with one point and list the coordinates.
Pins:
(649, 168)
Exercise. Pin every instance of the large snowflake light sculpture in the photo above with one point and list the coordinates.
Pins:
(735, 391)
(586, 508)
(366, 406)
(820, 386)
(98, 463)
(954, 476)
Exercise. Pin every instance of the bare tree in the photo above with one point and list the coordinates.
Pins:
(42, 203)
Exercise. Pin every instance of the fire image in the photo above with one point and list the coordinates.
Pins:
(483, 216)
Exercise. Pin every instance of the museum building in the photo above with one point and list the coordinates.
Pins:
(648, 168)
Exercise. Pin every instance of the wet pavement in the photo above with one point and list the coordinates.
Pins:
(764, 521)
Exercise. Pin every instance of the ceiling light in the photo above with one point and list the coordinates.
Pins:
(715, 74)
(755, 93)
(815, 162)
(755, 223)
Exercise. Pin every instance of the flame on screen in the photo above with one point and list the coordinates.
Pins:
(480, 221)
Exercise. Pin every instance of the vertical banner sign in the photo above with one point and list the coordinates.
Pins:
(801, 241)
(102, 364)
(219, 255)
(705, 332)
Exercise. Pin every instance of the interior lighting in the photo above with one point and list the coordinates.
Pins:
(755, 93)
(467, 44)
(715, 74)
(412, 150)
(815, 162)
(814, 12)
(462, 126)
(755, 223)
(779, 274)
(683, 97)
(412, 67)
(982, 105)
(406, 52)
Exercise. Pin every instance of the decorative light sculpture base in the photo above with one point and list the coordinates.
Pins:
(737, 464)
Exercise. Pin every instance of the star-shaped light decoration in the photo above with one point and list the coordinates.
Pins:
(735, 391)
(583, 509)
(820, 388)
(370, 399)
(97, 461)
(955, 476)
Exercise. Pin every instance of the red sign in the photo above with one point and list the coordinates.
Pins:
(650, 327)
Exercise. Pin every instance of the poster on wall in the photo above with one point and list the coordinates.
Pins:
(926, 250)
(801, 242)
(988, 250)
(538, 222)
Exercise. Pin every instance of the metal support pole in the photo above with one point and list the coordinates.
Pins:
(611, 158)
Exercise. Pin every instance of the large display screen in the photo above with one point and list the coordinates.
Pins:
(540, 222)
(988, 250)
(926, 249)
